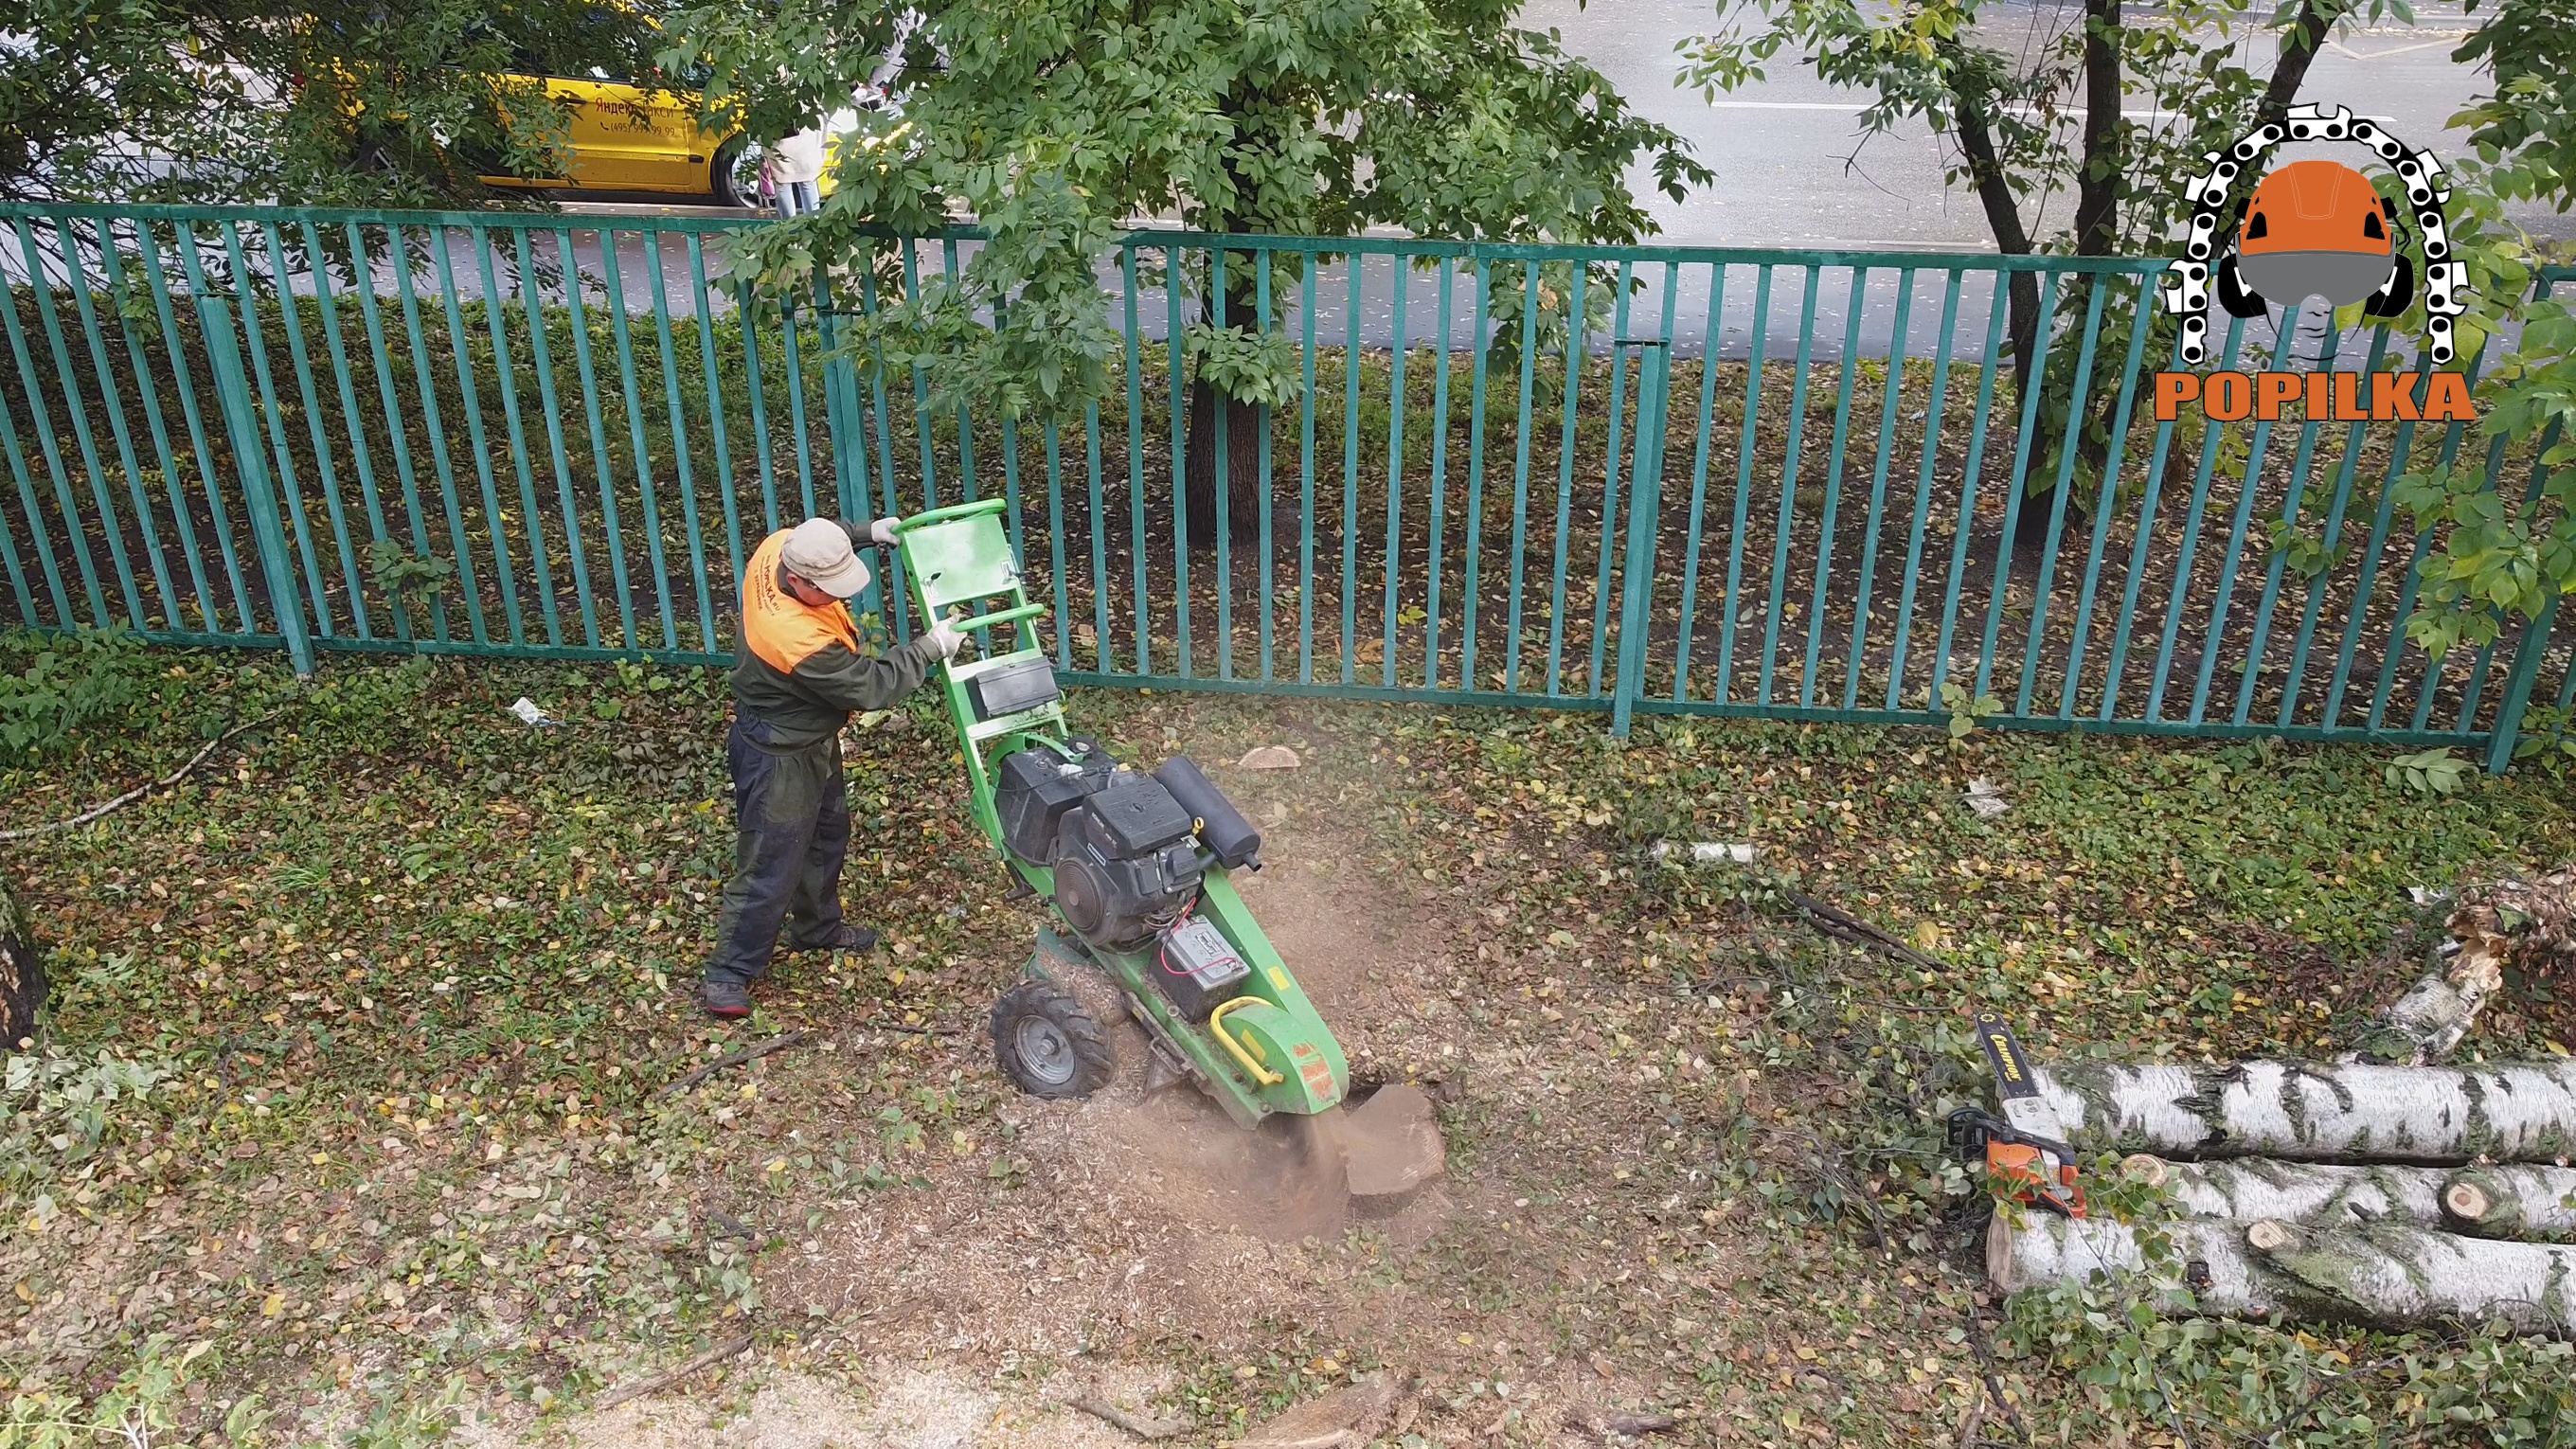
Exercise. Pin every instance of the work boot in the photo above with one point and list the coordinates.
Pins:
(845, 937)
(727, 999)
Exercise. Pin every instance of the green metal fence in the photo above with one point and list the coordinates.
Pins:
(1786, 484)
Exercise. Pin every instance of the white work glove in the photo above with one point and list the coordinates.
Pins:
(945, 639)
(882, 531)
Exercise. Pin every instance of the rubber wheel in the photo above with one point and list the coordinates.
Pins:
(734, 178)
(1047, 1044)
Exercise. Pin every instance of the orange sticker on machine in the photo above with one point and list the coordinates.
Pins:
(1317, 1072)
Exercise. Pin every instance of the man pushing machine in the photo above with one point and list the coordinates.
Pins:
(797, 677)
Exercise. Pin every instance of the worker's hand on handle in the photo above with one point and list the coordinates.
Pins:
(882, 531)
(945, 639)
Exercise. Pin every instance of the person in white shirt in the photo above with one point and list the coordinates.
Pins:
(793, 166)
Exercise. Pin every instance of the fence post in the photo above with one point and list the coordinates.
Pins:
(2517, 687)
(1645, 509)
(259, 493)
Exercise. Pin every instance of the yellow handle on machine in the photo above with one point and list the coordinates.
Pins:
(1216, 1028)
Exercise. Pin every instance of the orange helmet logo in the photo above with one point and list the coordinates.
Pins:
(2316, 228)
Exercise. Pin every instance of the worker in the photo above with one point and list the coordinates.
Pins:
(798, 673)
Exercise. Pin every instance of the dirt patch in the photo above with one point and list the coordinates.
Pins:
(1137, 1213)
(877, 1405)
(1361, 946)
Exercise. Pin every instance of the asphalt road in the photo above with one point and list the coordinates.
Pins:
(1794, 167)
(1794, 170)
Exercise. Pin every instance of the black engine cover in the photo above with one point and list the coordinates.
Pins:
(1034, 788)
(1125, 862)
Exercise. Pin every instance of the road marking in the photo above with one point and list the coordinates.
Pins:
(1850, 110)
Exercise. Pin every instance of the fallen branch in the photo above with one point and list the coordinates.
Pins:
(101, 812)
(1142, 1428)
(1611, 1425)
(1844, 926)
(658, 1382)
(750, 1053)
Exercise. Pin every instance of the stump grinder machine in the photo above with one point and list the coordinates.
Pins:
(1137, 867)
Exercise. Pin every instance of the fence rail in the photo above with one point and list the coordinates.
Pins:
(1788, 484)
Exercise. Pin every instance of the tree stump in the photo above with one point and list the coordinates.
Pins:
(22, 970)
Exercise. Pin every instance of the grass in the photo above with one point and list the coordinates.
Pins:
(411, 977)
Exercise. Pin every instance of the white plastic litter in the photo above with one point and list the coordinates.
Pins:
(1986, 798)
(528, 713)
(1708, 852)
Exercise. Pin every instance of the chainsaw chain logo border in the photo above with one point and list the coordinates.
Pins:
(2185, 292)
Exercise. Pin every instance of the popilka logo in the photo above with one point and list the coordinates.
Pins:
(2315, 229)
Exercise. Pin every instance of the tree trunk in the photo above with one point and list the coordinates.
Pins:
(2387, 1275)
(2249, 1189)
(2003, 216)
(2044, 1251)
(2097, 182)
(1243, 424)
(2398, 1277)
(22, 971)
(2535, 1204)
(2320, 1111)
(2298, 52)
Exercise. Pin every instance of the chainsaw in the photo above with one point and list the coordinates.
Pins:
(2024, 1151)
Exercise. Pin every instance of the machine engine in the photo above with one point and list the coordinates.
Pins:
(1127, 861)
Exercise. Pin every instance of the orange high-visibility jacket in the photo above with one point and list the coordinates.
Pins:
(798, 668)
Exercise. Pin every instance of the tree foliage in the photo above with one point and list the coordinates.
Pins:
(319, 102)
(1056, 125)
(2505, 547)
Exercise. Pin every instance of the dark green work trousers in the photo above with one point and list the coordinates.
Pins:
(791, 833)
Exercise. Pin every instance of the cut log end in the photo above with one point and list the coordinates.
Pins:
(2466, 1201)
(2271, 1235)
(2144, 1167)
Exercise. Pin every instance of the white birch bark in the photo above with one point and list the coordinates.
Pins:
(2046, 1251)
(2320, 1111)
(2249, 1189)
(2398, 1277)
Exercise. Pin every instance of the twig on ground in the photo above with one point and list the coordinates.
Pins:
(1142, 1428)
(658, 1382)
(1610, 1425)
(750, 1053)
(2316, 1390)
(100, 812)
(1844, 926)
(1986, 1371)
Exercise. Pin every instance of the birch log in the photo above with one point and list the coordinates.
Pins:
(2320, 1111)
(2045, 1251)
(2513, 1201)
(2426, 1024)
(2253, 1188)
(2399, 1277)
